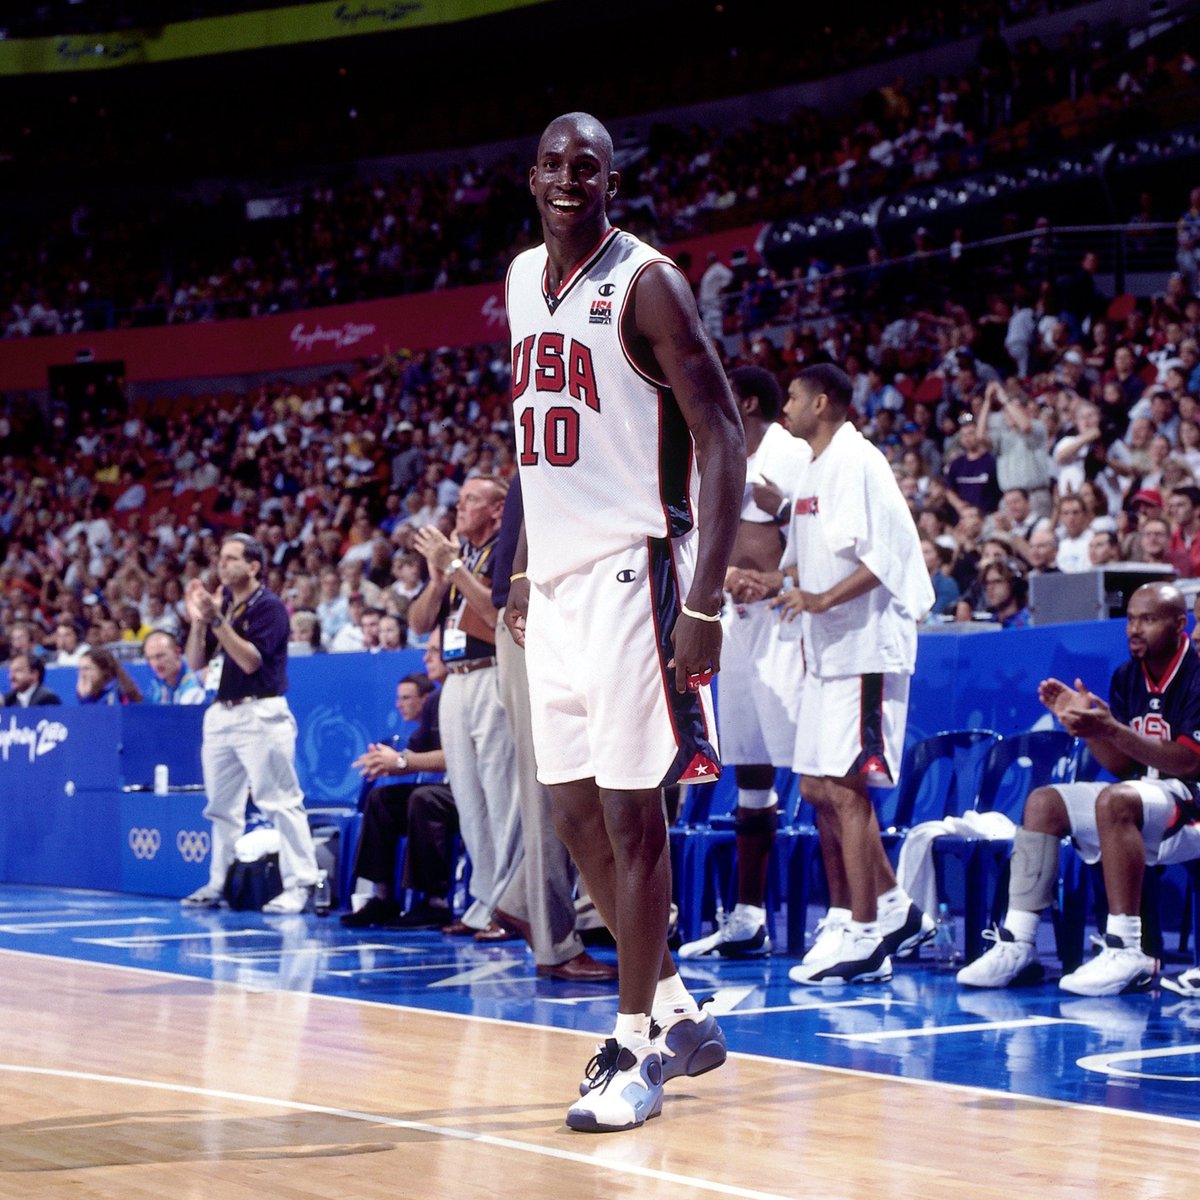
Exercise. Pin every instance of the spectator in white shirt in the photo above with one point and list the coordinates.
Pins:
(1074, 535)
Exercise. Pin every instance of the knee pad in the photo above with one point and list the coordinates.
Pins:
(755, 821)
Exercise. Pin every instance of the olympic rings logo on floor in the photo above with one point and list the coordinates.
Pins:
(145, 843)
(192, 845)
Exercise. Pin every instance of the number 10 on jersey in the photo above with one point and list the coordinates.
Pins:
(557, 442)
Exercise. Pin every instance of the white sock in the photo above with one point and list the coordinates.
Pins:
(632, 1030)
(671, 999)
(1022, 925)
(893, 898)
(755, 797)
(1128, 929)
(864, 929)
(838, 916)
(756, 914)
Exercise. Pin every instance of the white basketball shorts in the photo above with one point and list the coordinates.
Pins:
(604, 703)
(853, 726)
(758, 692)
(1168, 836)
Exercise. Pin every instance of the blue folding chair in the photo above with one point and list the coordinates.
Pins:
(707, 870)
(1012, 768)
(938, 775)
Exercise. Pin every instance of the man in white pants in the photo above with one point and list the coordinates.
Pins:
(241, 632)
(476, 734)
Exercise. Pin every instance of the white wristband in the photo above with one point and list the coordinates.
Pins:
(698, 616)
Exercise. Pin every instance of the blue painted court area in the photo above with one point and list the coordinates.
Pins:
(1137, 1053)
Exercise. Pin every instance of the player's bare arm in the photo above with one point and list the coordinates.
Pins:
(860, 581)
(672, 344)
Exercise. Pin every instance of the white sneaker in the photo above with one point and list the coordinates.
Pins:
(624, 1089)
(1117, 968)
(290, 900)
(861, 958)
(829, 938)
(905, 929)
(1008, 962)
(1187, 984)
(204, 897)
(743, 935)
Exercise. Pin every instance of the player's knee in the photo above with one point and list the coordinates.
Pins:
(1045, 811)
(1119, 804)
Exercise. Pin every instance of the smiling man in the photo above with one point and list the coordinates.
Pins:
(632, 464)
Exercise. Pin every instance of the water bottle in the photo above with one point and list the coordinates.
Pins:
(945, 940)
(322, 895)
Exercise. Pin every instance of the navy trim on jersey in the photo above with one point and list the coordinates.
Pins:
(633, 363)
(674, 465)
(871, 759)
(554, 299)
(692, 735)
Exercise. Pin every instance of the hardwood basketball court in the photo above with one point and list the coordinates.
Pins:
(145, 1079)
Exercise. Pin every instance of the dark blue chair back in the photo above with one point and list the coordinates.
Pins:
(1015, 765)
(939, 778)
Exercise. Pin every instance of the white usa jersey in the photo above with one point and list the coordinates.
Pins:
(606, 458)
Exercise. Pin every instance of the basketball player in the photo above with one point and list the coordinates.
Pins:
(1148, 735)
(632, 464)
(861, 587)
(762, 672)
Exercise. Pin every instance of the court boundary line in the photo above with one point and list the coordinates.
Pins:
(453, 1134)
(852, 1072)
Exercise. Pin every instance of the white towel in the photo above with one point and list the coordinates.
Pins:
(914, 871)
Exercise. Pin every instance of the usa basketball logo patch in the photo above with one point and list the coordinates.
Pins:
(601, 313)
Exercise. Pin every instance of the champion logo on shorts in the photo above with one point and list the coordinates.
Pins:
(699, 770)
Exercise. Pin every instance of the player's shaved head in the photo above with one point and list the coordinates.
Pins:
(585, 126)
(1163, 597)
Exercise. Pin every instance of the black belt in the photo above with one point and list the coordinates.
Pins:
(474, 664)
(247, 699)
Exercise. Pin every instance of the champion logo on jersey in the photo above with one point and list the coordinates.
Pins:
(602, 313)
(806, 506)
(700, 770)
(1155, 703)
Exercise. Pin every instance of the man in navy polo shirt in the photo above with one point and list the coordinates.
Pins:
(241, 632)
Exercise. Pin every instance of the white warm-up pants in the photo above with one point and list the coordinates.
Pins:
(253, 746)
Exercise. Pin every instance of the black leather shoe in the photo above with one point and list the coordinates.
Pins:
(372, 915)
(420, 916)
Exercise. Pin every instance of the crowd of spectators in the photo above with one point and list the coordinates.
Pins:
(98, 264)
(102, 527)
(1043, 430)
(1032, 427)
